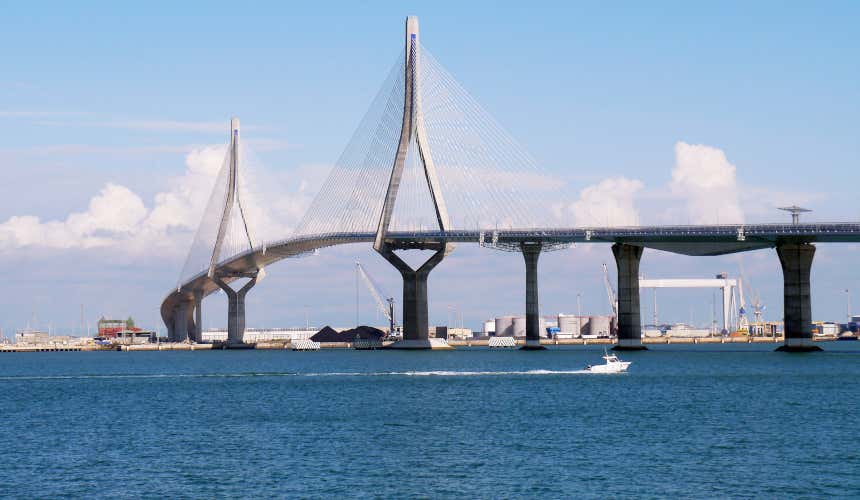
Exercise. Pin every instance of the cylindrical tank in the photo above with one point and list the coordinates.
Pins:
(600, 325)
(584, 325)
(489, 327)
(504, 326)
(568, 324)
(519, 326)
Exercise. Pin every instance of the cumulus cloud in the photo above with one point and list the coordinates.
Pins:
(182, 204)
(118, 218)
(115, 213)
(707, 182)
(608, 203)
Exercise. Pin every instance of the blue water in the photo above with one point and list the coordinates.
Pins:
(690, 421)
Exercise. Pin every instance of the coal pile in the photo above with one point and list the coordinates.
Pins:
(364, 333)
(328, 334)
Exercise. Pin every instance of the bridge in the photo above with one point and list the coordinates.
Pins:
(428, 169)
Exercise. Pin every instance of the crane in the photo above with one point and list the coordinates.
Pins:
(758, 307)
(385, 305)
(743, 321)
(610, 292)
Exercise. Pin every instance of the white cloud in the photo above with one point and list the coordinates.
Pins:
(118, 219)
(608, 203)
(114, 214)
(707, 182)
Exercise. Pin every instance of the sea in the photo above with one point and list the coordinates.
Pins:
(688, 421)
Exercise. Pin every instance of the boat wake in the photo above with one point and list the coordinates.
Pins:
(429, 373)
(446, 373)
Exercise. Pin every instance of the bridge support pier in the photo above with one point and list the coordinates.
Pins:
(236, 307)
(183, 323)
(796, 261)
(627, 259)
(531, 252)
(198, 315)
(416, 327)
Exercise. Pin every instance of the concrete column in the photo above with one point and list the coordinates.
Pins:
(531, 252)
(171, 328)
(198, 315)
(796, 261)
(629, 323)
(180, 322)
(416, 327)
(235, 308)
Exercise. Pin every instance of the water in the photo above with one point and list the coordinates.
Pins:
(691, 421)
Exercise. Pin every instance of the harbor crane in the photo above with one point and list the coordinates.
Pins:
(743, 321)
(610, 292)
(386, 304)
(757, 306)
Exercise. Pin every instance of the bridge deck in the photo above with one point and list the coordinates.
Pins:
(686, 240)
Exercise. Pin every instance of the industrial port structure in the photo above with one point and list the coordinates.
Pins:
(407, 144)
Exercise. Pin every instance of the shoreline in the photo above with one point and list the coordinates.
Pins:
(286, 345)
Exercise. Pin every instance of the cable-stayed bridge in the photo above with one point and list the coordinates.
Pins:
(426, 169)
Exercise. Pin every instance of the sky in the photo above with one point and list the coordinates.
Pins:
(113, 118)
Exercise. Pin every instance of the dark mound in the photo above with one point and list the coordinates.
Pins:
(328, 334)
(364, 332)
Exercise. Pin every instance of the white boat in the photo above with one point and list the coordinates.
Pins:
(613, 365)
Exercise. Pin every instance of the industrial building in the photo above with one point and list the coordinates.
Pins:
(563, 326)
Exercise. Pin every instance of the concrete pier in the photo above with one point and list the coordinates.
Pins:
(796, 261)
(416, 325)
(629, 323)
(236, 307)
(183, 322)
(198, 315)
(531, 253)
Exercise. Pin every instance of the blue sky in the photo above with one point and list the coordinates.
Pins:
(97, 92)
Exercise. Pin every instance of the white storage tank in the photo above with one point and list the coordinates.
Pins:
(569, 324)
(584, 325)
(489, 327)
(504, 326)
(520, 326)
(599, 325)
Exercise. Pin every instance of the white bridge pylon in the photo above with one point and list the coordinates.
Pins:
(232, 198)
(225, 228)
(412, 131)
(223, 233)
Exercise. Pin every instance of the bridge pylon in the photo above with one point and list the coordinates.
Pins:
(224, 230)
(416, 329)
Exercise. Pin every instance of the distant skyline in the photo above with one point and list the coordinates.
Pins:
(113, 119)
